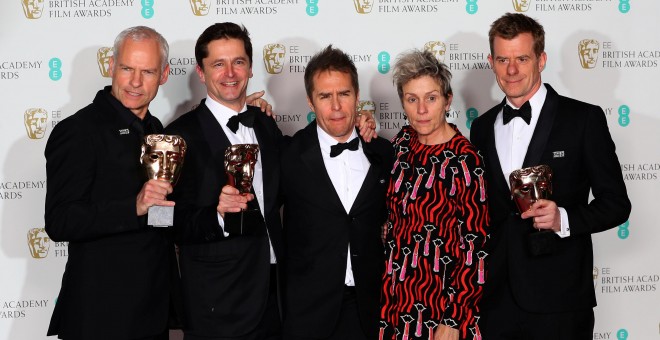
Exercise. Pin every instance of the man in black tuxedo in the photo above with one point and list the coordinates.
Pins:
(118, 276)
(540, 283)
(229, 280)
(333, 187)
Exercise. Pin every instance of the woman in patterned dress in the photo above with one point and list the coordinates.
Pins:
(438, 214)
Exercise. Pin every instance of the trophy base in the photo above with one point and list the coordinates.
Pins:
(542, 242)
(160, 216)
(246, 222)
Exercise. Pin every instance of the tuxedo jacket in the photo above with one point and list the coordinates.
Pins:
(225, 280)
(117, 279)
(571, 137)
(318, 232)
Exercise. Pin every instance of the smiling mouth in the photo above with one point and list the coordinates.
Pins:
(233, 83)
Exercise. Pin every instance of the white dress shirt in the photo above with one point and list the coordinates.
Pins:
(512, 141)
(347, 172)
(244, 135)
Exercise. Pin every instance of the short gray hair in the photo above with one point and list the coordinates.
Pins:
(138, 33)
(417, 63)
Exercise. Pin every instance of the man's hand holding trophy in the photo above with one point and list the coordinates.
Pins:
(531, 189)
(162, 159)
(241, 212)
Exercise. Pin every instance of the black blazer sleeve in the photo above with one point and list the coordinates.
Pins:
(610, 206)
(78, 207)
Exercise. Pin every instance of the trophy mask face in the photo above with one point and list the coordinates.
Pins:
(162, 157)
(240, 161)
(39, 242)
(530, 185)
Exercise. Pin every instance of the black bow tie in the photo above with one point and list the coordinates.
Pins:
(246, 118)
(338, 148)
(525, 112)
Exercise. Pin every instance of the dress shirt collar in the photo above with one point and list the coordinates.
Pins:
(326, 141)
(221, 112)
(536, 102)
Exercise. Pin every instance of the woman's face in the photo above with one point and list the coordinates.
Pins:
(425, 107)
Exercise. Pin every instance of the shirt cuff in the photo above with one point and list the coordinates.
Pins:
(565, 230)
(221, 222)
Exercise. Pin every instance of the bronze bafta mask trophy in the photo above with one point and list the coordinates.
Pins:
(240, 160)
(529, 185)
(162, 158)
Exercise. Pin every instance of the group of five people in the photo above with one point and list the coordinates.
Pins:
(357, 237)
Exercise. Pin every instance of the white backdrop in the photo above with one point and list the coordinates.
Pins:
(51, 65)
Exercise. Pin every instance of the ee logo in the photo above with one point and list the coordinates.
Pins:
(471, 115)
(624, 115)
(472, 6)
(147, 9)
(55, 72)
(312, 7)
(383, 62)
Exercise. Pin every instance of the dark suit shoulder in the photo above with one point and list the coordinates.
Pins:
(82, 125)
(381, 146)
(185, 121)
(577, 106)
(268, 122)
(490, 114)
(302, 137)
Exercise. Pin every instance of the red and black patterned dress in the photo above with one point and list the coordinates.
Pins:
(435, 236)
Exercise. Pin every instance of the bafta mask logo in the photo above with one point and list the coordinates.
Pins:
(363, 6)
(366, 106)
(595, 273)
(36, 121)
(521, 5)
(200, 8)
(33, 9)
(38, 242)
(162, 157)
(274, 58)
(588, 52)
(103, 59)
(438, 48)
(529, 185)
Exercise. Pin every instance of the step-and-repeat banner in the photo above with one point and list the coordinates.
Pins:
(54, 57)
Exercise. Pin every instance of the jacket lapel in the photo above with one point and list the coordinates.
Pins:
(494, 165)
(543, 129)
(313, 161)
(213, 134)
(269, 159)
